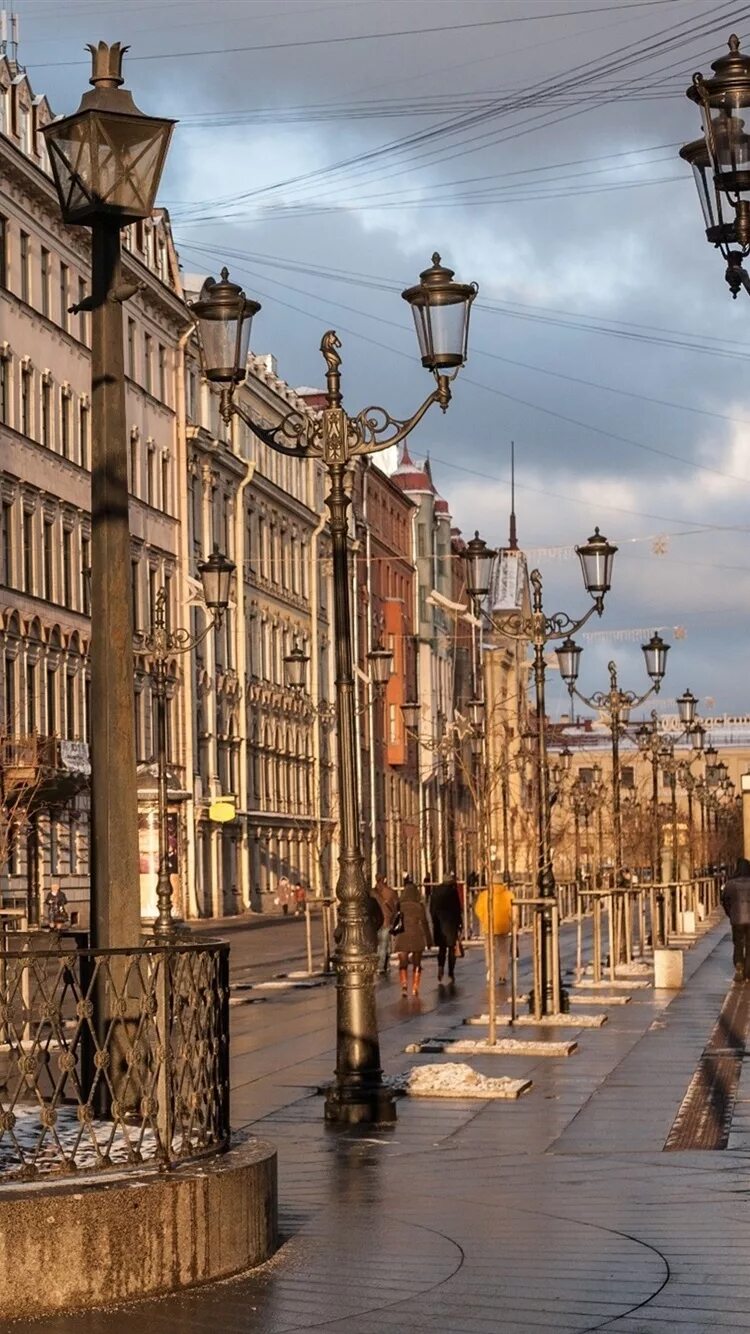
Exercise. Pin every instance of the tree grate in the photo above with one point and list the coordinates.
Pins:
(704, 1119)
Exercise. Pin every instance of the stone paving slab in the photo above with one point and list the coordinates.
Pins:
(558, 1213)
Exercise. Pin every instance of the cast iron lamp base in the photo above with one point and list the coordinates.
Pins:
(374, 1105)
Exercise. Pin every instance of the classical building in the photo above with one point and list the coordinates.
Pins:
(385, 608)
(45, 456)
(434, 683)
(254, 740)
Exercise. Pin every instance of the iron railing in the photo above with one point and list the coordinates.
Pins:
(112, 1059)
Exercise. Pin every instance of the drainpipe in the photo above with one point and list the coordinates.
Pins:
(315, 688)
(371, 693)
(245, 869)
(189, 897)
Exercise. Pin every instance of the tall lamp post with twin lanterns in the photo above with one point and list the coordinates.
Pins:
(616, 705)
(441, 309)
(721, 160)
(107, 160)
(162, 642)
(538, 629)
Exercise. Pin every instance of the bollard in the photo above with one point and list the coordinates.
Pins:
(668, 969)
(308, 939)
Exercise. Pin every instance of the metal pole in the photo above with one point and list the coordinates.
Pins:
(549, 963)
(357, 1093)
(616, 811)
(673, 812)
(115, 895)
(164, 925)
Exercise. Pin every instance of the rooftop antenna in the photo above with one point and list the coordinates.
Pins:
(513, 542)
(9, 35)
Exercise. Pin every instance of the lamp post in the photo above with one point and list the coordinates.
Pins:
(107, 160)
(616, 705)
(161, 643)
(441, 309)
(538, 629)
(721, 160)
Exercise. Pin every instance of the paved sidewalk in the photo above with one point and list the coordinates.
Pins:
(558, 1212)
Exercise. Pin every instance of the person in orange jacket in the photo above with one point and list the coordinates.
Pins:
(501, 901)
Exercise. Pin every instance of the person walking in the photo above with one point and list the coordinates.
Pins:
(501, 901)
(447, 916)
(284, 895)
(415, 938)
(56, 905)
(735, 899)
(387, 898)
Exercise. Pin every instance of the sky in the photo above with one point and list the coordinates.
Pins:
(325, 150)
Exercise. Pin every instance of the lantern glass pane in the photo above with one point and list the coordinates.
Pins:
(731, 145)
(704, 186)
(442, 331)
(568, 660)
(411, 713)
(381, 664)
(295, 667)
(222, 358)
(107, 164)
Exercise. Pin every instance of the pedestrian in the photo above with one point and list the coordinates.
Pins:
(56, 907)
(447, 917)
(501, 901)
(300, 899)
(736, 901)
(413, 940)
(283, 895)
(387, 898)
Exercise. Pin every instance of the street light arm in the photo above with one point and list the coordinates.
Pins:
(296, 425)
(331, 434)
(539, 627)
(161, 643)
(368, 426)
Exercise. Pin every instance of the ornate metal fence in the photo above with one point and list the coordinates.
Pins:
(111, 1059)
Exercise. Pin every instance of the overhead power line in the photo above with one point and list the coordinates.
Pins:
(375, 36)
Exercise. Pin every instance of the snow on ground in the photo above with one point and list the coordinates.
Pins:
(454, 1080)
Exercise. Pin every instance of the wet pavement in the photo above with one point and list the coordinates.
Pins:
(561, 1211)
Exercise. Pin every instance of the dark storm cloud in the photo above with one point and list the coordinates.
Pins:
(554, 242)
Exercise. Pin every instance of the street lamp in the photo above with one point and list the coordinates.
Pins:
(686, 705)
(107, 160)
(295, 667)
(616, 705)
(161, 643)
(480, 561)
(596, 557)
(441, 310)
(721, 160)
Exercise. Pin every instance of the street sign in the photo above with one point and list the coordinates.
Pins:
(223, 809)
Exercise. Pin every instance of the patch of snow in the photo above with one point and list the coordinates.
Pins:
(601, 999)
(89, 1143)
(509, 1047)
(454, 1080)
(563, 1020)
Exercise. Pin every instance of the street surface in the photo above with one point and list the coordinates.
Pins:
(559, 1212)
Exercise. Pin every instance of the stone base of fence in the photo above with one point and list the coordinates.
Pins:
(97, 1241)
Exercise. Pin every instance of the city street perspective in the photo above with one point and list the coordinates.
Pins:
(374, 723)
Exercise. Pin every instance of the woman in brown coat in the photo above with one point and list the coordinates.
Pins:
(413, 940)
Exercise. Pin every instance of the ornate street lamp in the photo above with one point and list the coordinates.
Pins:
(655, 652)
(596, 557)
(107, 160)
(569, 661)
(686, 705)
(721, 160)
(441, 311)
(380, 661)
(480, 561)
(161, 643)
(615, 704)
(295, 667)
(411, 713)
(697, 737)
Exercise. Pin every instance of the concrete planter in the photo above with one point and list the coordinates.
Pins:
(135, 1235)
